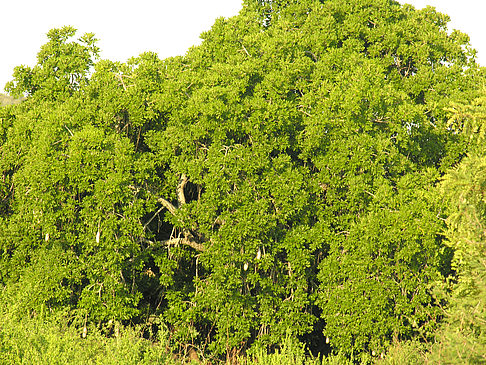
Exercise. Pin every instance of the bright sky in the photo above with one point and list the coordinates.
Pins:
(128, 28)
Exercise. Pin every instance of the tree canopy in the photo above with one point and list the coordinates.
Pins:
(278, 179)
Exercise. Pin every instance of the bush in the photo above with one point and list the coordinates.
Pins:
(51, 341)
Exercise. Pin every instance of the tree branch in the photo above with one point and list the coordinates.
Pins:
(177, 241)
(119, 77)
(153, 217)
(167, 204)
(184, 241)
(244, 49)
(181, 198)
(189, 239)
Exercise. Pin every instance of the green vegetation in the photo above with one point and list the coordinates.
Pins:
(307, 182)
(34, 341)
(463, 337)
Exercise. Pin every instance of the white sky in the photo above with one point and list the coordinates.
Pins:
(128, 28)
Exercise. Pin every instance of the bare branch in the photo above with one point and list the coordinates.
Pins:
(170, 207)
(184, 241)
(219, 221)
(71, 133)
(119, 77)
(177, 241)
(189, 239)
(314, 57)
(153, 217)
(244, 49)
(301, 109)
(180, 190)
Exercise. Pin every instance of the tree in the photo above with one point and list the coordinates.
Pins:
(71, 192)
(274, 181)
(463, 335)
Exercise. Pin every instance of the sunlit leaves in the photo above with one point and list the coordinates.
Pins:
(62, 66)
(275, 180)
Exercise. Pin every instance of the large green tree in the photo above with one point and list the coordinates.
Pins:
(276, 179)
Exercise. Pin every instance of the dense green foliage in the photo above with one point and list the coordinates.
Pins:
(33, 341)
(463, 338)
(278, 180)
(38, 342)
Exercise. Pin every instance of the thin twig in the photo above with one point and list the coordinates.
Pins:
(71, 133)
(153, 217)
(244, 49)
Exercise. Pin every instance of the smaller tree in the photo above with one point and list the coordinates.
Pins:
(463, 338)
